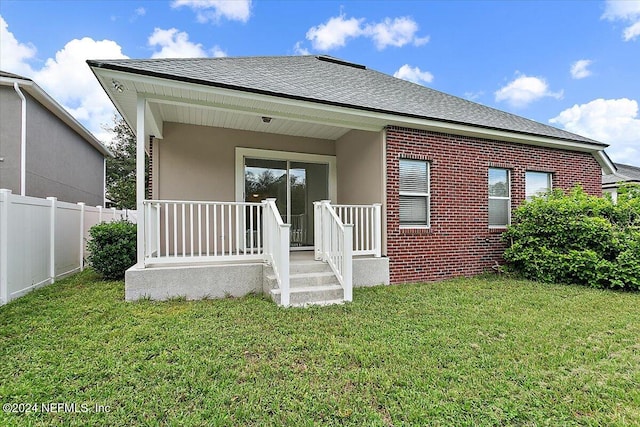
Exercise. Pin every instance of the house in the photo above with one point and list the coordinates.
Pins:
(624, 174)
(256, 159)
(44, 151)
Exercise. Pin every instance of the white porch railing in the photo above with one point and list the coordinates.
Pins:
(334, 244)
(367, 227)
(276, 247)
(187, 232)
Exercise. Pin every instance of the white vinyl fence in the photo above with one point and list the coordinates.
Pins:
(42, 240)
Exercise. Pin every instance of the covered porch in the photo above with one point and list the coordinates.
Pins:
(238, 182)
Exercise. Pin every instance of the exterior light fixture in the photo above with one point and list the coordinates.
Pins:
(117, 86)
(266, 119)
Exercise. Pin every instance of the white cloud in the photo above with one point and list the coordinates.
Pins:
(214, 10)
(579, 69)
(397, 32)
(174, 44)
(627, 11)
(141, 11)
(298, 49)
(631, 32)
(68, 79)
(472, 96)
(334, 33)
(217, 52)
(14, 56)
(390, 32)
(612, 121)
(524, 90)
(413, 74)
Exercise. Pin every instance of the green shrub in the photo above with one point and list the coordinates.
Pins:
(112, 248)
(579, 239)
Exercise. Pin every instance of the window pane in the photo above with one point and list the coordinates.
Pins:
(414, 176)
(537, 183)
(498, 212)
(414, 210)
(499, 182)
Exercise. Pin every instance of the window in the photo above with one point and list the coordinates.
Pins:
(415, 196)
(499, 197)
(537, 183)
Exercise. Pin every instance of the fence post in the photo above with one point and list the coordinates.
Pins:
(4, 245)
(99, 214)
(81, 204)
(377, 229)
(52, 240)
(114, 214)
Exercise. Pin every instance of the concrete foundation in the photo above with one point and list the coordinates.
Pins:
(193, 281)
(370, 271)
(223, 280)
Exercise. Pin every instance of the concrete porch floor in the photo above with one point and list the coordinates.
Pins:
(220, 280)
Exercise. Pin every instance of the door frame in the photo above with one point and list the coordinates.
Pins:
(288, 156)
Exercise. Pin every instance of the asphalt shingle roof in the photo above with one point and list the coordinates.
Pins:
(11, 75)
(332, 81)
(631, 173)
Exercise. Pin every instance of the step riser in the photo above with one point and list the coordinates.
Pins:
(312, 280)
(311, 267)
(310, 297)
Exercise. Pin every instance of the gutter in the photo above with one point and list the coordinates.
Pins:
(23, 140)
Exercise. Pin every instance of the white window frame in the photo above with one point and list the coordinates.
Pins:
(549, 182)
(426, 195)
(501, 197)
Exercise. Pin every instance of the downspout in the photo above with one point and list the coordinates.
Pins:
(23, 141)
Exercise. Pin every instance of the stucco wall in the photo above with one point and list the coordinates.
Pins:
(360, 169)
(10, 139)
(198, 162)
(60, 162)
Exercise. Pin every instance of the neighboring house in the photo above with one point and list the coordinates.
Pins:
(624, 174)
(44, 151)
(425, 179)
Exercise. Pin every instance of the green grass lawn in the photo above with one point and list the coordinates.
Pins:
(482, 351)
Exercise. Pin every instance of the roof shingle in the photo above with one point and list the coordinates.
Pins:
(331, 81)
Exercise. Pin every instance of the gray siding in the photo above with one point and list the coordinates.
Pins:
(60, 162)
(10, 139)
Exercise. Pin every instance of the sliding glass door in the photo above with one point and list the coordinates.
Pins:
(294, 185)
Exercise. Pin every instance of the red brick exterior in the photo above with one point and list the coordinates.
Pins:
(459, 242)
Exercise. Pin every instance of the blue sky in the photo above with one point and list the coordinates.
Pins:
(571, 64)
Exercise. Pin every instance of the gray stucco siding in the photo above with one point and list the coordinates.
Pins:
(10, 116)
(60, 162)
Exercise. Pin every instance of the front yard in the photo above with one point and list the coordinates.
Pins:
(482, 351)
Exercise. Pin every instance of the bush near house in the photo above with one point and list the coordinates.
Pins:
(112, 248)
(577, 238)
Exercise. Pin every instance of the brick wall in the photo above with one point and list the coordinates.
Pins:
(459, 242)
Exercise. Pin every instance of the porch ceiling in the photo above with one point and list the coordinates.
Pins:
(179, 102)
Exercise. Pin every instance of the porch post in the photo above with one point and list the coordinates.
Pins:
(140, 133)
(317, 231)
(377, 229)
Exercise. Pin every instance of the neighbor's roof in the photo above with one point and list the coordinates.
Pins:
(625, 173)
(327, 80)
(29, 86)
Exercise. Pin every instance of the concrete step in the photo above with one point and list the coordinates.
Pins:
(311, 295)
(301, 267)
(311, 279)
